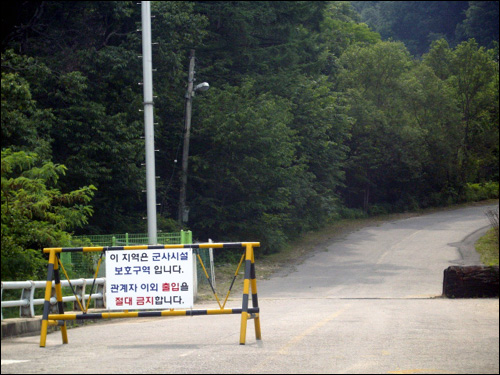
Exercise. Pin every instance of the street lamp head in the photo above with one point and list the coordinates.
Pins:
(204, 86)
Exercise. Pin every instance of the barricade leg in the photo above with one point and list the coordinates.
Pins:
(255, 300)
(60, 305)
(46, 304)
(249, 281)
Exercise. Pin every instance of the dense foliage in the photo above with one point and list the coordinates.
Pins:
(418, 23)
(35, 214)
(312, 115)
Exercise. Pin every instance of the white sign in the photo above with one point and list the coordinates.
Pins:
(149, 279)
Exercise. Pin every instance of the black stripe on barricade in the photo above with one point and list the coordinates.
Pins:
(252, 270)
(253, 279)
(232, 244)
(248, 266)
(250, 310)
(57, 280)
(245, 301)
(88, 316)
(50, 272)
(248, 269)
(46, 303)
(255, 300)
(71, 249)
(145, 314)
(196, 312)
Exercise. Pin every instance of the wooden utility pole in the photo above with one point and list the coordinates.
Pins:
(183, 211)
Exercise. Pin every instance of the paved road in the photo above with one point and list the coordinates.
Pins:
(368, 303)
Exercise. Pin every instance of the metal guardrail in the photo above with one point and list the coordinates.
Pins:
(28, 301)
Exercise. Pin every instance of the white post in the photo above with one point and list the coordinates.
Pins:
(195, 277)
(148, 121)
(212, 268)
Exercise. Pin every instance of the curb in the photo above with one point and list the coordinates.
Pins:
(21, 326)
(17, 327)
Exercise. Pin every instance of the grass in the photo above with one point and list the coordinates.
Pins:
(487, 247)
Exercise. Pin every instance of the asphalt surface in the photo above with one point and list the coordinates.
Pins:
(367, 303)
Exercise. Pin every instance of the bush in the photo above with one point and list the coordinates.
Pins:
(481, 191)
(493, 217)
(349, 213)
(379, 209)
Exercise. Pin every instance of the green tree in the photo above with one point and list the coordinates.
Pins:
(25, 126)
(341, 27)
(321, 127)
(242, 176)
(415, 23)
(35, 214)
(481, 23)
(90, 87)
(474, 77)
(386, 156)
(431, 107)
(439, 58)
(260, 38)
(470, 73)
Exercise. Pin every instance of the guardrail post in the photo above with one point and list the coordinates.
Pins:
(100, 303)
(80, 293)
(28, 294)
(53, 305)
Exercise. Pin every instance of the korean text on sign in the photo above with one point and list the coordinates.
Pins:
(149, 279)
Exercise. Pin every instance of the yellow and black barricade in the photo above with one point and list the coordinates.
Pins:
(246, 312)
